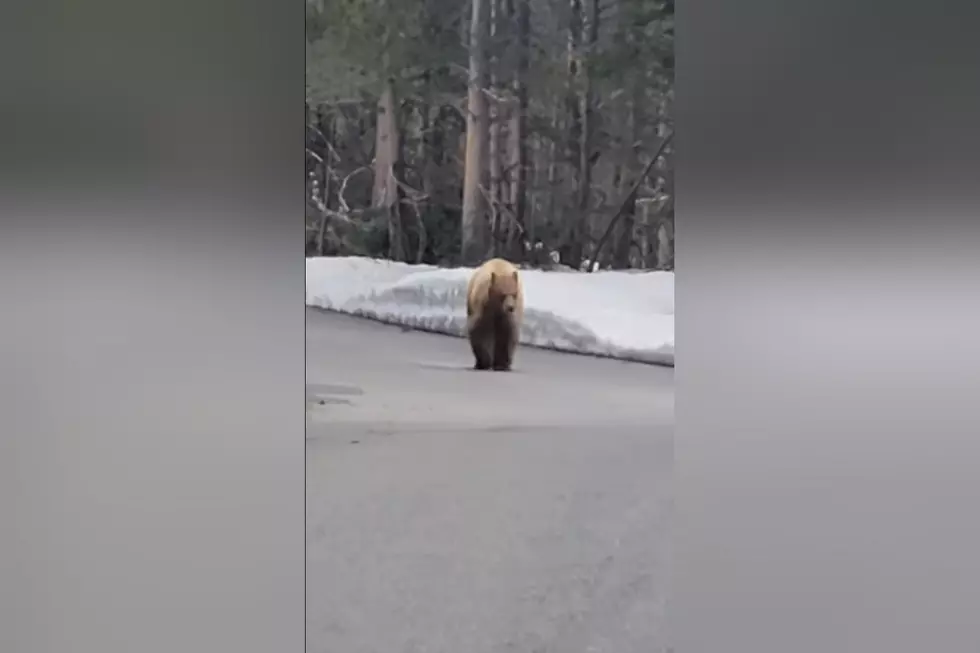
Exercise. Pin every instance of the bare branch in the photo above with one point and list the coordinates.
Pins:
(343, 187)
(503, 208)
(626, 200)
(415, 194)
(326, 141)
(496, 97)
(314, 155)
(413, 197)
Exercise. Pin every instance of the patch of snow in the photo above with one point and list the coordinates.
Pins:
(620, 314)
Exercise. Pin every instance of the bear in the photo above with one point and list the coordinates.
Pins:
(494, 312)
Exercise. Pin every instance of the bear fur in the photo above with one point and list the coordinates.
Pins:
(494, 312)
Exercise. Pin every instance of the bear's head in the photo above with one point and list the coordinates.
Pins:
(504, 289)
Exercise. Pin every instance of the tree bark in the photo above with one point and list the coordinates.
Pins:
(495, 111)
(590, 35)
(572, 246)
(386, 159)
(324, 198)
(520, 12)
(627, 227)
(474, 176)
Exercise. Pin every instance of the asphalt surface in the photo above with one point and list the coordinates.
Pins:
(456, 511)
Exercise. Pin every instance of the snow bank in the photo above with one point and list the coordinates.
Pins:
(625, 315)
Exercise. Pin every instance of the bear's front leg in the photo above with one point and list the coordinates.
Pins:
(503, 347)
(481, 351)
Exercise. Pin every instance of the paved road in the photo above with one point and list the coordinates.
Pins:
(454, 511)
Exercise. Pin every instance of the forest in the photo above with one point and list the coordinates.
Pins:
(449, 131)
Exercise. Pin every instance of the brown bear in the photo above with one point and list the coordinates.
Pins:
(494, 311)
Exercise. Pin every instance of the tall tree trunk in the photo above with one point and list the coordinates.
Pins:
(625, 230)
(326, 166)
(571, 249)
(665, 255)
(473, 219)
(590, 35)
(427, 147)
(386, 160)
(324, 125)
(520, 11)
(552, 191)
(626, 227)
(495, 130)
